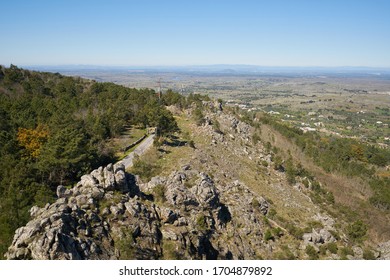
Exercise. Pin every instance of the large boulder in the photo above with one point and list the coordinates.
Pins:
(121, 183)
(206, 192)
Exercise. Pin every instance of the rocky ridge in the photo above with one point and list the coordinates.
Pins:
(206, 209)
(109, 215)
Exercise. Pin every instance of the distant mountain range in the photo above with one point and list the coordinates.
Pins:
(220, 69)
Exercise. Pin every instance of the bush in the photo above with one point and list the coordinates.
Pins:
(255, 138)
(191, 143)
(278, 163)
(198, 116)
(159, 193)
(295, 231)
(381, 197)
(125, 246)
(216, 126)
(323, 250)
(284, 254)
(335, 234)
(290, 171)
(255, 203)
(332, 247)
(145, 169)
(277, 232)
(346, 251)
(201, 223)
(311, 252)
(268, 236)
(268, 147)
(357, 231)
(272, 213)
(368, 254)
(266, 221)
(158, 142)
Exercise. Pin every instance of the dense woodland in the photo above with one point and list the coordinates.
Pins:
(54, 129)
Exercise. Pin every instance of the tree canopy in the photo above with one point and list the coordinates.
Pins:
(55, 128)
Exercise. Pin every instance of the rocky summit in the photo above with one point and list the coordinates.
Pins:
(109, 215)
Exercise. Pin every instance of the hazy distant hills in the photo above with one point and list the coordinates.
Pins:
(232, 69)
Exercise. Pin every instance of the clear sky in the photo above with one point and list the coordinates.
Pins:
(196, 32)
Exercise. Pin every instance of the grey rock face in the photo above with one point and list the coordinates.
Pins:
(109, 177)
(100, 218)
(384, 250)
(88, 181)
(65, 229)
(206, 192)
(263, 206)
(120, 179)
(321, 237)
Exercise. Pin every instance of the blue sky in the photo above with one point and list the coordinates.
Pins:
(146, 32)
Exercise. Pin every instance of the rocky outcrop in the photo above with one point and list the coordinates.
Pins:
(322, 235)
(72, 227)
(107, 215)
(384, 250)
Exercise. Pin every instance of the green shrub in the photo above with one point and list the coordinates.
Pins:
(255, 203)
(216, 126)
(201, 223)
(126, 248)
(268, 235)
(290, 171)
(313, 225)
(345, 251)
(198, 116)
(272, 213)
(357, 231)
(266, 221)
(255, 138)
(277, 232)
(311, 252)
(268, 147)
(332, 247)
(191, 143)
(278, 163)
(145, 169)
(323, 250)
(368, 254)
(159, 193)
(295, 231)
(284, 254)
(381, 197)
(335, 234)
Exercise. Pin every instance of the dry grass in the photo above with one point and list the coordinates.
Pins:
(350, 192)
(129, 136)
(225, 165)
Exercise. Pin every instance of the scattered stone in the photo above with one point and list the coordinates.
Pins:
(384, 251)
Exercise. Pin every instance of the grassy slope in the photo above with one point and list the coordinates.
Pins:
(225, 165)
(350, 192)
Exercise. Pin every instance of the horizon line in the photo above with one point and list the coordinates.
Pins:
(199, 65)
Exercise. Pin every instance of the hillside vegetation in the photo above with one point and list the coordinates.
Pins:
(53, 129)
(219, 183)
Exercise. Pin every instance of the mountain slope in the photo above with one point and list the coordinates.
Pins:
(218, 192)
